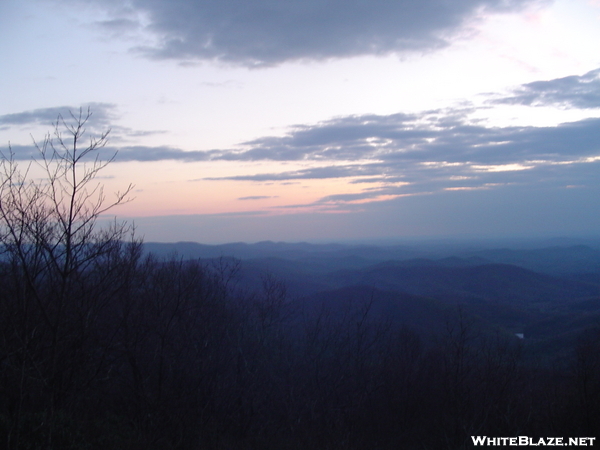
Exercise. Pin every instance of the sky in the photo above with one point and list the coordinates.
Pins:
(321, 120)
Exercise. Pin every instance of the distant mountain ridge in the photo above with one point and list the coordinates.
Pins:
(566, 259)
(284, 250)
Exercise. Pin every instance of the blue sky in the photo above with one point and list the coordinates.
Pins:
(322, 120)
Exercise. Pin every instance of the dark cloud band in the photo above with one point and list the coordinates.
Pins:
(569, 92)
(270, 32)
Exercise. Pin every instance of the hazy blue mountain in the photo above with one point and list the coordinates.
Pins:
(549, 293)
(566, 259)
(559, 260)
(489, 282)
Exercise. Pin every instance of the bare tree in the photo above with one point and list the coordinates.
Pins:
(52, 221)
(50, 241)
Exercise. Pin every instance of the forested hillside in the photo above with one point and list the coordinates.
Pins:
(143, 352)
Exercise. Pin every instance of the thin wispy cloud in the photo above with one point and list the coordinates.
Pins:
(103, 114)
(317, 173)
(258, 197)
(159, 153)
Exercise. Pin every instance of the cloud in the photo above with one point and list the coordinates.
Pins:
(20, 152)
(119, 27)
(102, 115)
(372, 194)
(402, 154)
(123, 154)
(580, 92)
(258, 197)
(398, 155)
(307, 174)
(391, 155)
(270, 32)
(102, 118)
(158, 153)
(401, 138)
